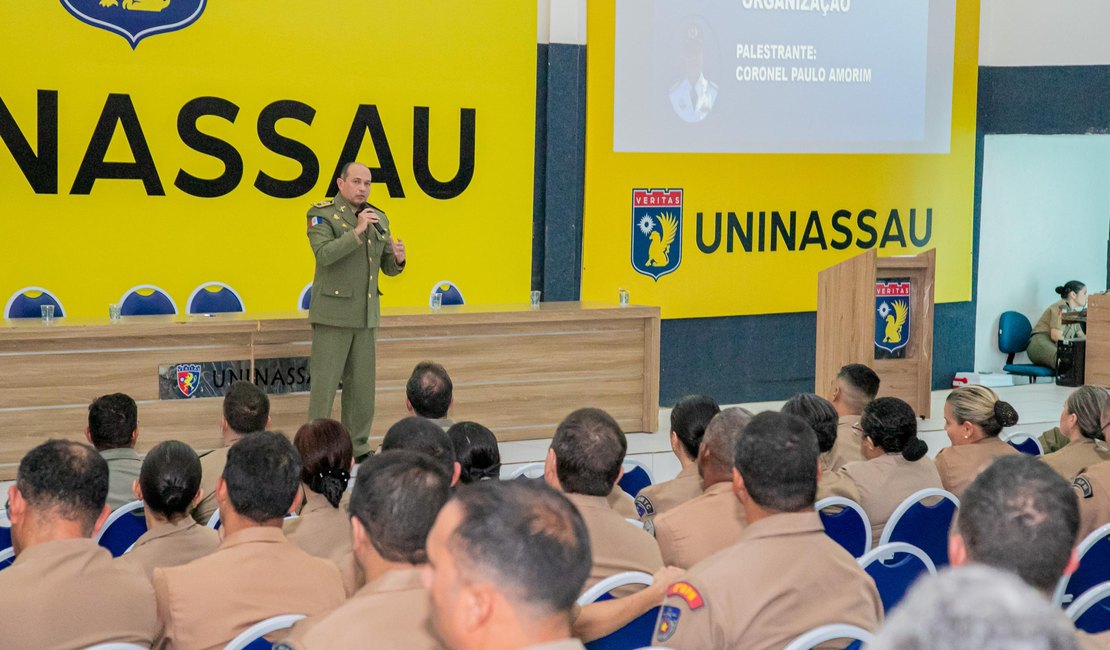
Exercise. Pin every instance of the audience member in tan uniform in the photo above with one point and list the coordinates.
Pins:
(169, 486)
(1021, 517)
(429, 393)
(422, 435)
(785, 576)
(1081, 422)
(973, 418)
(323, 528)
(1092, 487)
(974, 608)
(507, 561)
(584, 461)
(476, 451)
(114, 429)
(713, 520)
(394, 504)
(64, 592)
(896, 465)
(689, 418)
(820, 415)
(855, 386)
(255, 573)
(246, 411)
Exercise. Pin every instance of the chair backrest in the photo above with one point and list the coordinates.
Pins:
(846, 522)
(1094, 567)
(636, 476)
(1091, 611)
(27, 303)
(214, 520)
(7, 556)
(894, 567)
(1013, 333)
(213, 298)
(5, 535)
(633, 634)
(924, 526)
(450, 292)
(117, 646)
(304, 301)
(601, 590)
(1023, 442)
(252, 636)
(125, 525)
(146, 300)
(531, 470)
(826, 633)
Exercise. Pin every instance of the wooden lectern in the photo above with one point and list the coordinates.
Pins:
(887, 327)
(1098, 340)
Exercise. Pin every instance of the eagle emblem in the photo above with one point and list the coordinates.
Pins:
(892, 317)
(135, 20)
(656, 231)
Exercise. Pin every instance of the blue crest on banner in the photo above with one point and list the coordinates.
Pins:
(892, 315)
(656, 231)
(136, 19)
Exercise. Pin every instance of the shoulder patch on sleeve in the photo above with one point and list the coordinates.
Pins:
(688, 593)
(649, 527)
(668, 622)
(644, 506)
(1085, 486)
(315, 221)
(323, 204)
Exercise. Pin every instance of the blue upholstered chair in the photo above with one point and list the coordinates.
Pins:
(5, 535)
(634, 634)
(213, 298)
(1023, 442)
(636, 477)
(450, 292)
(146, 300)
(1091, 611)
(1013, 337)
(304, 301)
(894, 568)
(826, 633)
(1094, 567)
(252, 637)
(7, 556)
(924, 526)
(28, 302)
(125, 525)
(846, 523)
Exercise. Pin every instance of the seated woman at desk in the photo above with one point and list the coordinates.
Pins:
(1051, 328)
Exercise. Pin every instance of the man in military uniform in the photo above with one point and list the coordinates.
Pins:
(351, 241)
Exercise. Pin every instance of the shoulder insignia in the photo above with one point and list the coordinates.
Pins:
(644, 506)
(1085, 486)
(687, 592)
(668, 623)
(322, 204)
(649, 527)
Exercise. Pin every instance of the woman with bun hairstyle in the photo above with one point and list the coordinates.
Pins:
(821, 416)
(477, 452)
(323, 527)
(896, 465)
(1051, 328)
(973, 418)
(169, 486)
(1081, 424)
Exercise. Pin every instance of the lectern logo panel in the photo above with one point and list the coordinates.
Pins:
(892, 315)
(188, 378)
(656, 231)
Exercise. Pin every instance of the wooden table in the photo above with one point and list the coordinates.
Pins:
(517, 370)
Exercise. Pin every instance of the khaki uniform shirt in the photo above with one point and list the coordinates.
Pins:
(324, 531)
(390, 613)
(1093, 488)
(123, 471)
(784, 577)
(565, 644)
(664, 496)
(1076, 457)
(1053, 319)
(847, 447)
(834, 484)
(700, 527)
(622, 502)
(254, 574)
(885, 482)
(617, 545)
(211, 468)
(171, 544)
(69, 594)
(959, 465)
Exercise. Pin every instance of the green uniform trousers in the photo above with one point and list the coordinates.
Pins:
(344, 354)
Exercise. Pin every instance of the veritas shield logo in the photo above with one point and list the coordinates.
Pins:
(188, 378)
(136, 19)
(656, 231)
(892, 315)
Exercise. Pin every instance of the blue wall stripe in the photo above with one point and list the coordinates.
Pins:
(539, 186)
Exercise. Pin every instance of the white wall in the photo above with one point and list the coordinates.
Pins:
(1045, 220)
(562, 21)
(1044, 32)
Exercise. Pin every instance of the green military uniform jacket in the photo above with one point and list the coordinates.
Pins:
(345, 288)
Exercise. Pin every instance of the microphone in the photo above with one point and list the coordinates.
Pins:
(377, 226)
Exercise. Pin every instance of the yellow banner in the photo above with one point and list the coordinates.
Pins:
(737, 218)
(177, 142)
